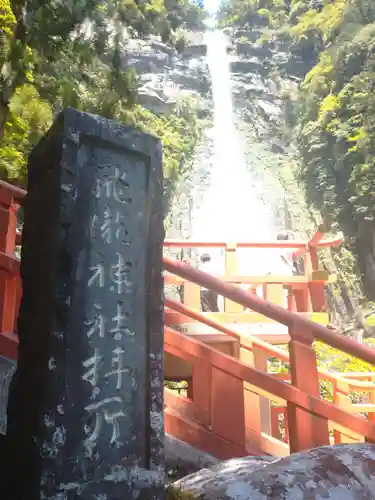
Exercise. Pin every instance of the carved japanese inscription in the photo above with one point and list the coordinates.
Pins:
(96, 429)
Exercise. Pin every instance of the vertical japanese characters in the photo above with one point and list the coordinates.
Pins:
(108, 331)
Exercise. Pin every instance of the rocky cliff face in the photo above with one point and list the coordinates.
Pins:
(165, 75)
(264, 84)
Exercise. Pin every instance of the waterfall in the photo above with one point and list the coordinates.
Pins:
(232, 208)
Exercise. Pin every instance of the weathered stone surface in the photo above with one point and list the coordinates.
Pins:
(7, 368)
(252, 34)
(195, 50)
(250, 49)
(344, 472)
(252, 65)
(85, 414)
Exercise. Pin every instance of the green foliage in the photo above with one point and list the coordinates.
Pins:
(63, 55)
(331, 360)
(336, 361)
(252, 13)
(36, 35)
(30, 118)
(179, 133)
(336, 133)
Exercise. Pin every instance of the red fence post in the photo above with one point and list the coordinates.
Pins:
(317, 294)
(8, 280)
(201, 391)
(306, 430)
(228, 407)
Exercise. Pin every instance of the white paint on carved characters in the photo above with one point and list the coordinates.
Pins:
(107, 411)
(120, 275)
(99, 404)
(90, 443)
(98, 276)
(122, 234)
(96, 325)
(114, 186)
(101, 496)
(105, 226)
(52, 363)
(118, 365)
(120, 329)
(112, 418)
(106, 229)
(92, 366)
(110, 227)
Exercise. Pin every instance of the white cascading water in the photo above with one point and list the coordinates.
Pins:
(232, 209)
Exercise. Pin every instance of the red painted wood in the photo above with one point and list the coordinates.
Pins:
(9, 265)
(228, 408)
(306, 430)
(203, 439)
(202, 390)
(273, 311)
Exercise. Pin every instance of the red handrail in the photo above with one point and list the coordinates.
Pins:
(299, 244)
(17, 193)
(248, 341)
(272, 311)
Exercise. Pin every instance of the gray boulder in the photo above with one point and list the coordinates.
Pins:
(190, 80)
(153, 100)
(343, 472)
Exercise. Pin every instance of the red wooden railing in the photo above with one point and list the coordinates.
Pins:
(305, 293)
(222, 412)
(308, 417)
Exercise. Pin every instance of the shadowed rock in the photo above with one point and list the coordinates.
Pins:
(182, 459)
(343, 472)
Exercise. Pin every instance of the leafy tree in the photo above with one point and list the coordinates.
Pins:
(36, 31)
(31, 118)
(334, 361)
(55, 55)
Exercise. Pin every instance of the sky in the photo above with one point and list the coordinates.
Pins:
(212, 5)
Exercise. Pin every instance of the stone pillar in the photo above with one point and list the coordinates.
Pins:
(85, 415)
